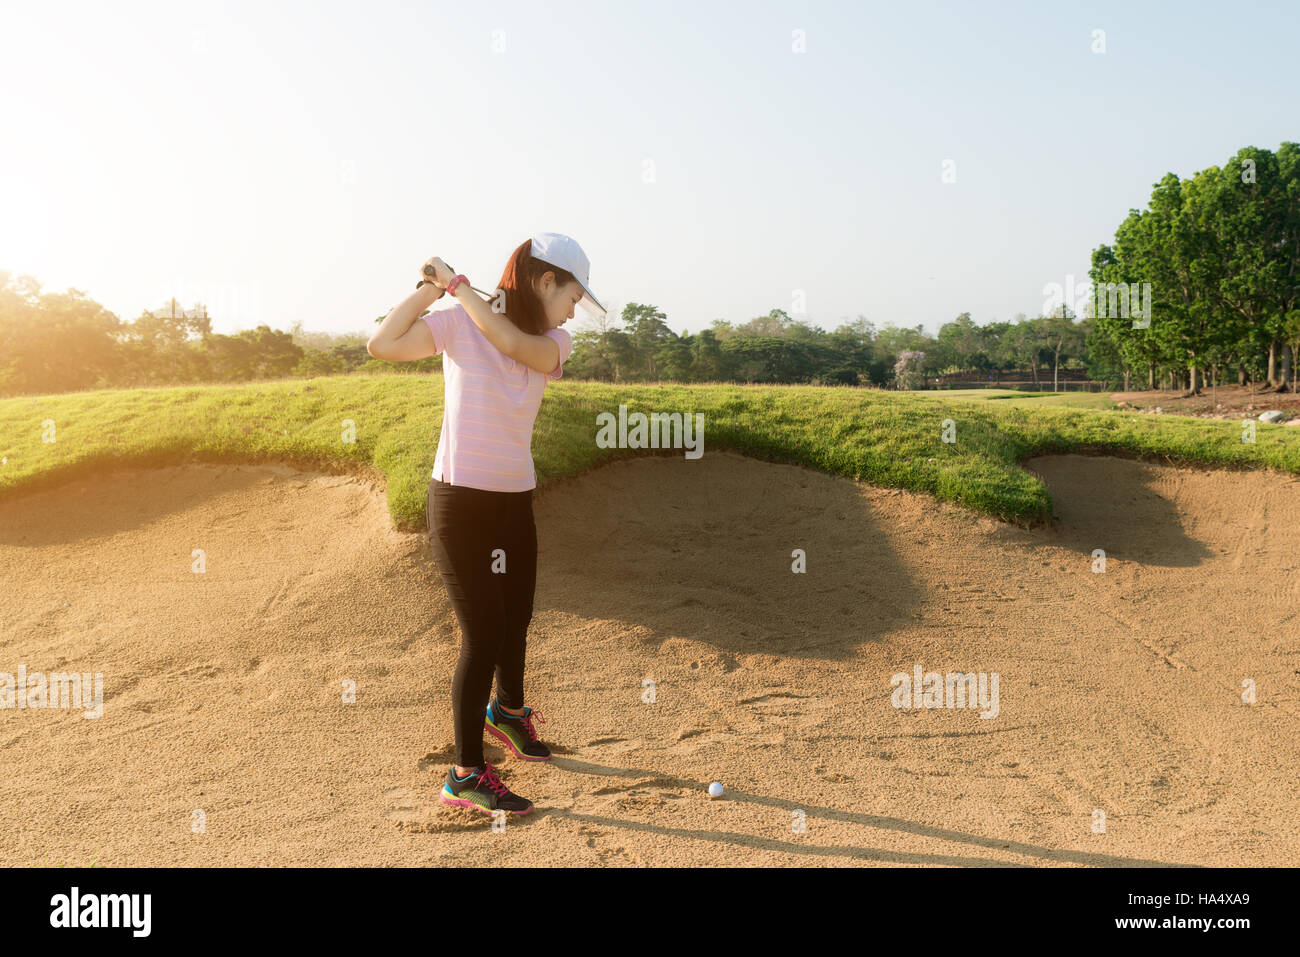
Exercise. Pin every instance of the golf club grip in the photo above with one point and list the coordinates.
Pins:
(430, 271)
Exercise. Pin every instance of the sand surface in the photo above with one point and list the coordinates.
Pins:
(223, 691)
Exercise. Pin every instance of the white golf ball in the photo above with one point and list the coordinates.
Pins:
(715, 790)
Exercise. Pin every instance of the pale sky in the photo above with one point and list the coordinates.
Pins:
(300, 160)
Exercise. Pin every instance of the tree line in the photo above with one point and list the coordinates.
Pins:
(777, 348)
(1215, 261)
(1203, 282)
(61, 342)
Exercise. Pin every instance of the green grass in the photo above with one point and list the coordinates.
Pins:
(887, 439)
(1070, 400)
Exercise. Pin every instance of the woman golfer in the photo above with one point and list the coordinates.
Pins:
(480, 501)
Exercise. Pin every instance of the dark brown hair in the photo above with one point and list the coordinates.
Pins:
(523, 306)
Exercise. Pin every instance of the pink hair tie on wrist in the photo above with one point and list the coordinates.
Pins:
(456, 281)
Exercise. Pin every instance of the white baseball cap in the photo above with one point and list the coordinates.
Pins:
(562, 251)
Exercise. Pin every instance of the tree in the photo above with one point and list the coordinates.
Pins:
(1062, 336)
(907, 368)
(1257, 221)
(852, 349)
(1115, 267)
(1290, 334)
(1024, 345)
(1234, 270)
(707, 361)
(261, 353)
(601, 350)
(1103, 357)
(775, 324)
(648, 331)
(54, 342)
(961, 338)
(674, 359)
(1221, 252)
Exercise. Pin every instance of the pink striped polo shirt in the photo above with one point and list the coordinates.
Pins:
(489, 406)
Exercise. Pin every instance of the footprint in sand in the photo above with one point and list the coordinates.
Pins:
(776, 712)
(417, 810)
(690, 740)
(785, 709)
(607, 849)
(407, 805)
(607, 746)
(436, 760)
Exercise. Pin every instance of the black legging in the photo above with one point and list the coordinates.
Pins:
(466, 526)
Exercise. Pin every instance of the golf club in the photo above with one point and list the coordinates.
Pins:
(430, 271)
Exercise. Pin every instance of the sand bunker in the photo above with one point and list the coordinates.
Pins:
(223, 691)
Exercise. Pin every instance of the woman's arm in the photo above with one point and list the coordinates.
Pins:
(540, 353)
(537, 352)
(401, 337)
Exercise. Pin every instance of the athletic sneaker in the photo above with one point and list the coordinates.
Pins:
(517, 732)
(482, 791)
